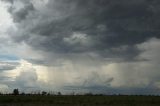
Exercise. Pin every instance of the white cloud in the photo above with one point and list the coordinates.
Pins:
(5, 18)
(151, 50)
(3, 88)
(78, 38)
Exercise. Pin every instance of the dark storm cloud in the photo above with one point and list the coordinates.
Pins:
(79, 26)
(20, 14)
(10, 1)
(95, 45)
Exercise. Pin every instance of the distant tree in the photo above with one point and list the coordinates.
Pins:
(15, 92)
(44, 93)
(73, 93)
(59, 93)
(89, 94)
(48, 94)
(22, 93)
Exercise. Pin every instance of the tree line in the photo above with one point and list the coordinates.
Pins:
(17, 92)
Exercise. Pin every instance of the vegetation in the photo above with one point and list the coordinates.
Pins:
(15, 92)
(79, 100)
(46, 99)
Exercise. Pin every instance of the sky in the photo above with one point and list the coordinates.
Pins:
(98, 46)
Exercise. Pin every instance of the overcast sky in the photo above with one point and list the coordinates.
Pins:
(99, 46)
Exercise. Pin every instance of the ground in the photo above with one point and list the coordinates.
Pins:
(79, 100)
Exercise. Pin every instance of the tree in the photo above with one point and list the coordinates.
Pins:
(59, 93)
(22, 93)
(15, 92)
(44, 93)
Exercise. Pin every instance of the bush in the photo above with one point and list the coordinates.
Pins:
(15, 92)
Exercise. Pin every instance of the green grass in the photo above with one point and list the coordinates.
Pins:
(79, 100)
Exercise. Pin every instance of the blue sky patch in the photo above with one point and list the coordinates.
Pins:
(8, 57)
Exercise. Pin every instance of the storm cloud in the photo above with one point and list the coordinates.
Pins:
(79, 26)
(88, 44)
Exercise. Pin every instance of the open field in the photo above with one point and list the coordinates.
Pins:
(79, 100)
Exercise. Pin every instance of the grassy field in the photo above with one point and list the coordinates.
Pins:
(91, 100)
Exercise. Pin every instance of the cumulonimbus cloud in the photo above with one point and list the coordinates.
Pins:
(114, 44)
